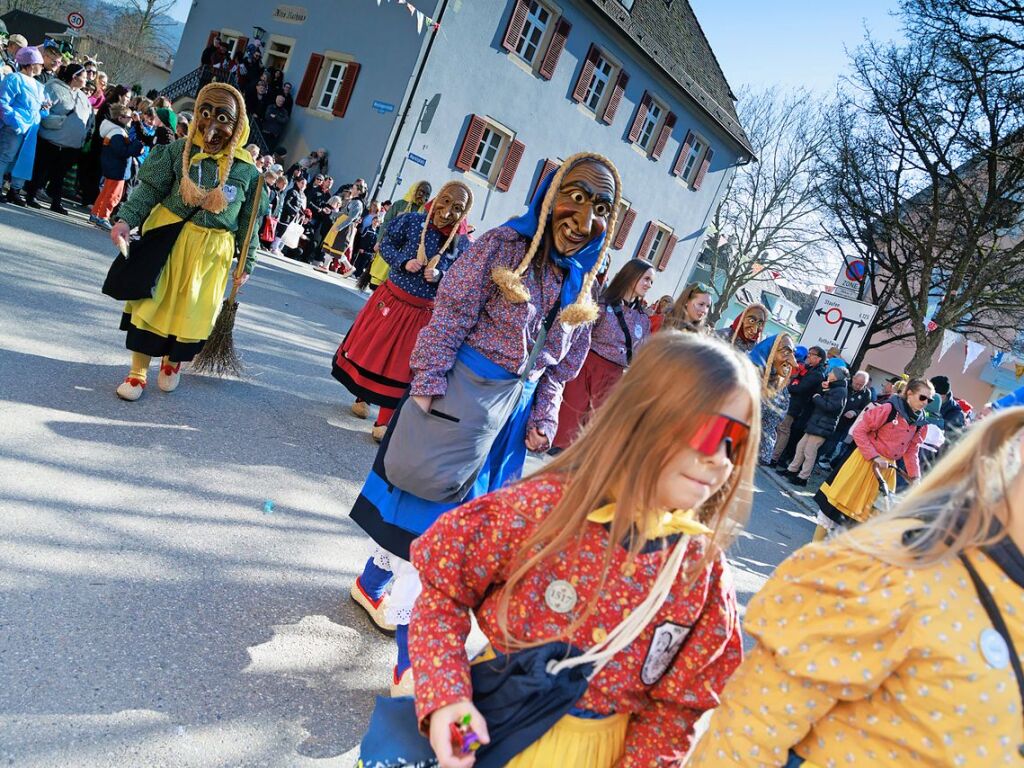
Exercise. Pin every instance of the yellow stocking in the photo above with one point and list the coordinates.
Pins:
(140, 365)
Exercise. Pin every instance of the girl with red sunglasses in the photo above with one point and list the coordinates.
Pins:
(616, 548)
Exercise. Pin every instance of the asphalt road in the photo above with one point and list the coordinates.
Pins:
(151, 612)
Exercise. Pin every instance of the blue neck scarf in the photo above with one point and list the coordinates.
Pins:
(576, 266)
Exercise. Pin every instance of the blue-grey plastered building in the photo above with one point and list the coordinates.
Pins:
(495, 92)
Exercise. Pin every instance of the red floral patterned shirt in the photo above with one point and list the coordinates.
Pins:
(670, 675)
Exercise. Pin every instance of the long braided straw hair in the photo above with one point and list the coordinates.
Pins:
(421, 252)
(510, 281)
(212, 200)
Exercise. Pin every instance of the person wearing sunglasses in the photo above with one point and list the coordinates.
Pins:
(882, 437)
(600, 534)
(894, 645)
(746, 329)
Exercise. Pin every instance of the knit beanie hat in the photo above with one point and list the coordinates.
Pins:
(27, 55)
(841, 374)
(168, 118)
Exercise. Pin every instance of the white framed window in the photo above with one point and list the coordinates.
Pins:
(658, 242)
(334, 73)
(692, 162)
(279, 52)
(649, 131)
(230, 40)
(535, 29)
(489, 152)
(600, 83)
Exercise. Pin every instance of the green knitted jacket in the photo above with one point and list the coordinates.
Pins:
(160, 176)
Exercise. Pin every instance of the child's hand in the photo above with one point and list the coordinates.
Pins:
(441, 738)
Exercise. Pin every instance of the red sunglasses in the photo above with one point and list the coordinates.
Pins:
(718, 430)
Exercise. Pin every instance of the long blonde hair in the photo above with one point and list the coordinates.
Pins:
(677, 318)
(510, 281)
(676, 380)
(957, 504)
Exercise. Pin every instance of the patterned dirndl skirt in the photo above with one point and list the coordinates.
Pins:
(373, 359)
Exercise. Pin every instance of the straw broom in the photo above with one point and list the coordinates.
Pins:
(218, 355)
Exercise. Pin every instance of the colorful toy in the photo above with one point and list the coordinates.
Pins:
(464, 738)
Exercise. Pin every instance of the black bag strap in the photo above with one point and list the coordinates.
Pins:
(542, 338)
(989, 604)
(617, 309)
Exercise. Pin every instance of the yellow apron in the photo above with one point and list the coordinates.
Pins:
(855, 488)
(191, 286)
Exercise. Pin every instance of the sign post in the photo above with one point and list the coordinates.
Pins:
(838, 322)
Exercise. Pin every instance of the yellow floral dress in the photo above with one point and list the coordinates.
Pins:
(862, 663)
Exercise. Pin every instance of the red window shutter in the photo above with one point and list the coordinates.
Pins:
(641, 115)
(555, 47)
(214, 33)
(684, 152)
(703, 169)
(666, 131)
(470, 142)
(305, 94)
(510, 166)
(516, 22)
(240, 45)
(348, 83)
(624, 226)
(593, 54)
(616, 98)
(549, 166)
(645, 242)
(666, 252)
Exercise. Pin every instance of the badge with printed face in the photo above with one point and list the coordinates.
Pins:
(560, 596)
(994, 649)
(665, 646)
(638, 330)
(230, 192)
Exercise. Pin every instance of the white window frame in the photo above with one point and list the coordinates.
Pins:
(230, 39)
(614, 67)
(281, 40)
(330, 84)
(647, 145)
(691, 166)
(529, 26)
(504, 137)
(658, 242)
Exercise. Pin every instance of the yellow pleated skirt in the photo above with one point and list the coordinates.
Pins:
(855, 487)
(191, 287)
(575, 742)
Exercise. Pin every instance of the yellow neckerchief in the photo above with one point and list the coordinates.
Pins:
(667, 524)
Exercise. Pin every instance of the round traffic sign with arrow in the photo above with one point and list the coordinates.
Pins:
(76, 20)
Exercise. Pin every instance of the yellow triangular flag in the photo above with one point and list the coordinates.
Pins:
(1018, 369)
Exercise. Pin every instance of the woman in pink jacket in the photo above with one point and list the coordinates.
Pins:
(882, 436)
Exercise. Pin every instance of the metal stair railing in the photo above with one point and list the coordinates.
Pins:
(189, 85)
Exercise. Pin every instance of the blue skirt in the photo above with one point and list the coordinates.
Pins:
(394, 518)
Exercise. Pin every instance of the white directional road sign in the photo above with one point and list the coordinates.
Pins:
(838, 322)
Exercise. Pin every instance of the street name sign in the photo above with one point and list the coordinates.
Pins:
(417, 159)
(838, 322)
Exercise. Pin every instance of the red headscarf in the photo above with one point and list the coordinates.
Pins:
(737, 324)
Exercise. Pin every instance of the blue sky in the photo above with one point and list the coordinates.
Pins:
(180, 10)
(790, 42)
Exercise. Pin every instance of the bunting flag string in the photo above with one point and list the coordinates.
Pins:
(1018, 369)
(973, 350)
(997, 359)
(949, 338)
(422, 20)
